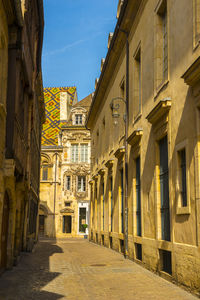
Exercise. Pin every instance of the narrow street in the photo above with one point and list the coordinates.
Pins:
(77, 269)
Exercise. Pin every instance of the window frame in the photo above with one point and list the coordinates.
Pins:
(84, 153)
(82, 183)
(161, 62)
(137, 82)
(74, 153)
(180, 209)
(67, 183)
(78, 119)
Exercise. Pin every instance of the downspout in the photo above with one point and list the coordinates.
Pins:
(126, 146)
(54, 202)
(126, 143)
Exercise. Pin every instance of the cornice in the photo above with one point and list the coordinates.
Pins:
(192, 75)
(135, 137)
(120, 152)
(159, 110)
(109, 163)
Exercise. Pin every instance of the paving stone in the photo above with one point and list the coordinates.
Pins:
(75, 269)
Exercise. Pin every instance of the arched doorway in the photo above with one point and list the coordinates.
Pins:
(4, 231)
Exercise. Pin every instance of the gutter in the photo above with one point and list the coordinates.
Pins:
(121, 16)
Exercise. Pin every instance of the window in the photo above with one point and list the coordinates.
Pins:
(67, 183)
(165, 45)
(164, 189)
(138, 197)
(81, 184)
(137, 82)
(74, 153)
(67, 204)
(182, 166)
(44, 172)
(84, 152)
(161, 54)
(103, 206)
(79, 119)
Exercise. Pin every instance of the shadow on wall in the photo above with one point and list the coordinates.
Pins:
(46, 226)
(30, 278)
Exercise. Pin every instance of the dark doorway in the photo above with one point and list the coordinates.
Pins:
(41, 225)
(4, 232)
(82, 219)
(67, 224)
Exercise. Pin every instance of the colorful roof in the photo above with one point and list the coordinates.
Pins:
(52, 125)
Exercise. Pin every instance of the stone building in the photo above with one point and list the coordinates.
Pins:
(153, 63)
(21, 117)
(65, 164)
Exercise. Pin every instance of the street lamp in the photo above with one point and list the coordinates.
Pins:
(115, 114)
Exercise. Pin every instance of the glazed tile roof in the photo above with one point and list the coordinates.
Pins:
(52, 125)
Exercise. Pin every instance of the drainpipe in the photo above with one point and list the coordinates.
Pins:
(126, 143)
(54, 202)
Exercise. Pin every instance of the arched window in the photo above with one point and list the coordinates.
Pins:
(45, 168)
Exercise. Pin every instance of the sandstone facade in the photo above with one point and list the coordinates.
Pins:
(21, 116)
(162, 86)
(65, 167)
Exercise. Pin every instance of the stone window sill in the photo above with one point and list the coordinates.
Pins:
(183, 210)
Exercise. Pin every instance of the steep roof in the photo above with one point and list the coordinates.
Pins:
(53, 111)
(85, 102)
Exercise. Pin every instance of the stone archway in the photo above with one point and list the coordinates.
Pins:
(4, 231)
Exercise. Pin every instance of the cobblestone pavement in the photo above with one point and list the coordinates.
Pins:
(76, 269)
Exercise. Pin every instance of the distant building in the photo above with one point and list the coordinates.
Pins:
(21, 118)
(163, 85)
(65, 164)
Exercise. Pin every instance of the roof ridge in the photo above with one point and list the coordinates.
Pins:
(59, 87)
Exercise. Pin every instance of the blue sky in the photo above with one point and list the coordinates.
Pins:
(75, 40)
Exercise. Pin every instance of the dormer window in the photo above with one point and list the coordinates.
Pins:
(79, 119)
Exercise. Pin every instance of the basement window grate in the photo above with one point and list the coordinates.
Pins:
(138, 251)
(122, 246)
(166, 261)
(111, 242)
